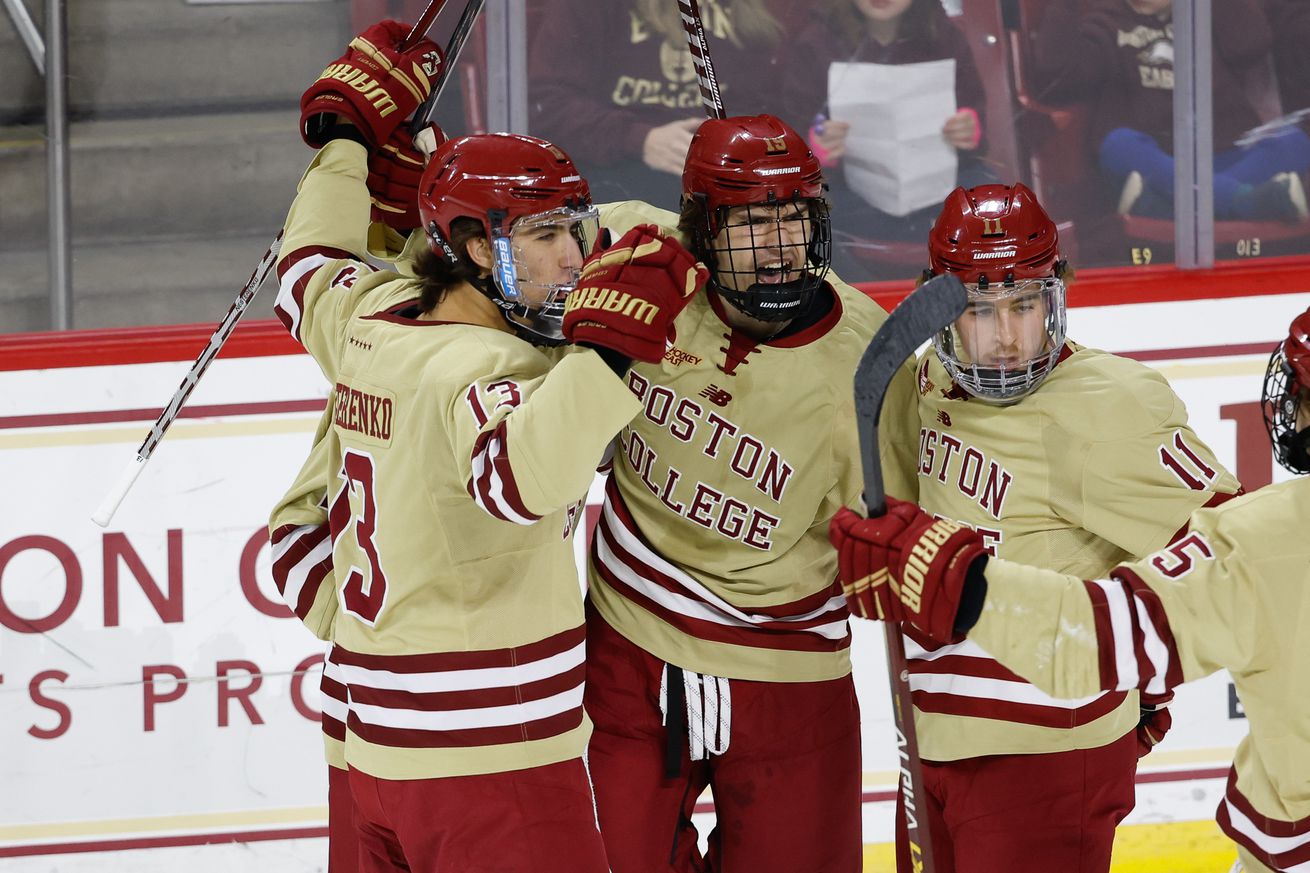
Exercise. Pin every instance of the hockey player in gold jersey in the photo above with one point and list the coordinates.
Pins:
(718, 646)
(457, 456)
(1057, 455)
(1230, 594)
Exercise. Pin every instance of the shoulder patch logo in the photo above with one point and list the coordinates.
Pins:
(925, 384)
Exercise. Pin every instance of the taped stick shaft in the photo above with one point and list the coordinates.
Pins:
(110, 504)
(932, 307)
(694, 26)
(423, 25)
(454, 46)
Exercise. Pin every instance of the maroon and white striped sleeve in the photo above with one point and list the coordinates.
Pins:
(492, 484)
(302, 561)
(296, 271)
(1135, 644)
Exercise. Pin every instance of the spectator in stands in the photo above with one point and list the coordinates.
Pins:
(1118, 54)
(1291, 63)
(883, 32)
(615, 83)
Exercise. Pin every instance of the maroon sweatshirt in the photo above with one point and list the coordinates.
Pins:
(600, 78)
(1104, 52)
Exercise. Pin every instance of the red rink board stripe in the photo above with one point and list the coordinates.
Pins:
(118, 416)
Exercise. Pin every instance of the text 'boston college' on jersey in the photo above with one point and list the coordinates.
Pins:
(1096, 467)
(711, 551)
(457, 467)
(1233, 593)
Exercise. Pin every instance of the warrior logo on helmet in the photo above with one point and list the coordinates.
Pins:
(535, 210)
(1004, 247)
(755, 211)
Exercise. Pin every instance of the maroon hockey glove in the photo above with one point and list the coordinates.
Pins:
(1154, 723)
(629, 294)
(373, 85)
(393, 176)
(904, 566)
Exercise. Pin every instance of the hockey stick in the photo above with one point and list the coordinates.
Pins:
(454, 46)
(932, 307)
(700, 56)
(105, 511)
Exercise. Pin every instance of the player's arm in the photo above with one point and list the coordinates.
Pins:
(1177, 615)
(301, 542)
(527, 447)
(325, 237)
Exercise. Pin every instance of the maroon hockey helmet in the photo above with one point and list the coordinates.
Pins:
(496, 178)
(757, 161)
(1286, 386)
(510, 183)
(990, 233)
(1005, 249)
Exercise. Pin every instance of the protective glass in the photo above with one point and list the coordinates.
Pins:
(538, 263)
(1008, 339)
(770, 258)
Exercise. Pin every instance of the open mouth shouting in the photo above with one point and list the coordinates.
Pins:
(775, 272)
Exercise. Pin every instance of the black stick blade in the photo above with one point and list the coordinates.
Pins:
(933, 306)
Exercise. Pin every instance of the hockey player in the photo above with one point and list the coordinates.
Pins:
(718, 646)
(1057, 455)
(1230, 594)
(457, 455)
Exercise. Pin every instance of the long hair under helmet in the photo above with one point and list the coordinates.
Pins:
(516, 186)
(1287, 382)
(758, 161)
(1005, 249)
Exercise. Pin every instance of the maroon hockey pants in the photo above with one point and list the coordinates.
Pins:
(1026, 813)
(539, 820)
(343, 843)
(786, 791)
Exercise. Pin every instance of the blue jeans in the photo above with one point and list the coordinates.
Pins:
(1124, 150)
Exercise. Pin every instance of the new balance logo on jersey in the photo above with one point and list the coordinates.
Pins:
(716, 395)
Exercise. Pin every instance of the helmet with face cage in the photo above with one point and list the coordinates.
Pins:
(762, 164)
(1286, 387)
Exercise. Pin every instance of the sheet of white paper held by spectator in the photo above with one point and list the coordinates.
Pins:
(896, 158)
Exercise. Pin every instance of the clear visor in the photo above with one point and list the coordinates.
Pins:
(538, 263)
(1008, 339)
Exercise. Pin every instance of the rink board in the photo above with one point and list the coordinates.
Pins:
(102, 747)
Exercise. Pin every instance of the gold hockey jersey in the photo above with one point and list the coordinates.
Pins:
(458, 459)
(1233, 593)
(1096, 467)
(711, 551)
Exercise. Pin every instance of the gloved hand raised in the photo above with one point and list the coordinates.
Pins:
(394, 172)
(374, 85)
(905, 566)
(629, 294)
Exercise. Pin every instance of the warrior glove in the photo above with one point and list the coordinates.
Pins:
(374, 85)
(907, 566)
(1154, 723)
(629, 294)
(393, 176)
